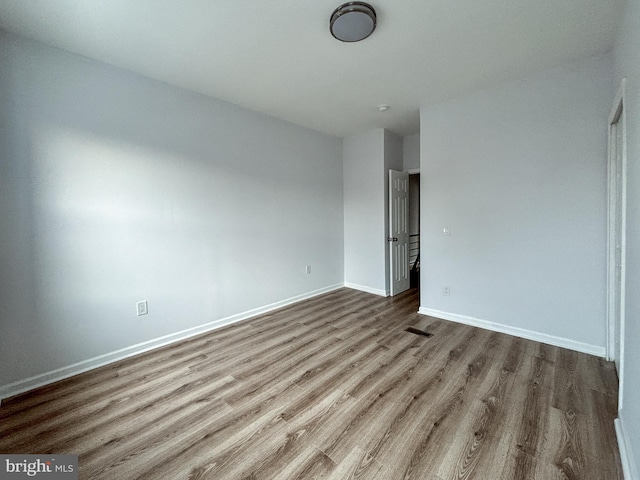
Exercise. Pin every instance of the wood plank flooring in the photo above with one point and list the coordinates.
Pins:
(333, 387)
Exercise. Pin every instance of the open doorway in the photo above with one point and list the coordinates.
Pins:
(414, 229)
(404, 231)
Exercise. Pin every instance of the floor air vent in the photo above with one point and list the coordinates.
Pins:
(419, 332)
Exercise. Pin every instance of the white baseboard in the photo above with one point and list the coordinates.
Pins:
(517, 332)
(628, 463)
(362, 288)
(65, 372)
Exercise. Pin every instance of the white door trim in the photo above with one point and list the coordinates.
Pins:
(617, 117)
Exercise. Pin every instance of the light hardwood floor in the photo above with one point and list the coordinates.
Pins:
(333, 387)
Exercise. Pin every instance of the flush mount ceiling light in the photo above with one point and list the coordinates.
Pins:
(353, 21)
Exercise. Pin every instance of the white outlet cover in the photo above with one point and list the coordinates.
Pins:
(142, 308)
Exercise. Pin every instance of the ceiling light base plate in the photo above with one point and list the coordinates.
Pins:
(352, 22)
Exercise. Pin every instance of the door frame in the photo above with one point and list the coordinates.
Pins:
(401, 242)
(617, 117)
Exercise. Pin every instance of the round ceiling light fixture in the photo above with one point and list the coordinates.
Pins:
(353, 21)
(383, 107)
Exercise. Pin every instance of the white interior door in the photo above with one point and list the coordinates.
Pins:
(617, 254)
(617, 238)
(399, 231)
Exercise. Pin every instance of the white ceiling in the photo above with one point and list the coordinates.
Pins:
(278, 57)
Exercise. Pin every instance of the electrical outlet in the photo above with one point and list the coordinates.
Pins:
(446, 291)
(307, 269)
(142, 308)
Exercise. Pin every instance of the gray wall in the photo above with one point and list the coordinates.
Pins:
(411, 152)
(627, 63)
(518, 174)
(115, 188)
(364, 229)
(367, 159)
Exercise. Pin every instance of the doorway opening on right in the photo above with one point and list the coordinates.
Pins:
(414, 230)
